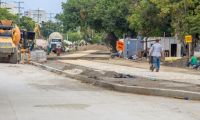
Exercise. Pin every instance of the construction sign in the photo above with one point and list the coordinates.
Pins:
(120, 45)
(188, 39)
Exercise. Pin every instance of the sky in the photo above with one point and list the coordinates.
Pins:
(50, 6)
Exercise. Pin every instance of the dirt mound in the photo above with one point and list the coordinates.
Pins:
(177, 63)
(93, 47)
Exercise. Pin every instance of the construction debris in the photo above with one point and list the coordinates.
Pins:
(38, 56)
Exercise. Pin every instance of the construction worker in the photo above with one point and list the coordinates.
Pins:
(156, 53)
(193, 62)
(58, 49)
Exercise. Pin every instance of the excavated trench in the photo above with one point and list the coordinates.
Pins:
(123, 79)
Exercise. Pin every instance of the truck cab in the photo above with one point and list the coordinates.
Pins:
(9, 40)
(55, 43)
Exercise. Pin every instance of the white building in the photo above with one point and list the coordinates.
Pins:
(10, 6)
(171, 45)
(37, 15)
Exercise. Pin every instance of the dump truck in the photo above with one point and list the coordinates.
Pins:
(9, 39)
(55, 43)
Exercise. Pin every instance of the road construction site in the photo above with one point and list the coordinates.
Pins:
(99, 71)
(60, 86)
(31, 93)
(126, 76)
(81, 64)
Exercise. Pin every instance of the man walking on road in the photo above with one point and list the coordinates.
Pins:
(156, 53)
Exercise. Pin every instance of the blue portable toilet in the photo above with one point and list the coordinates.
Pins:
(132, 46)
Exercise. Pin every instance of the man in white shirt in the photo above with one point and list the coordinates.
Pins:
(156, 53)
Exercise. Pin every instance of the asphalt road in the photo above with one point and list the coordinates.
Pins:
(30, 93)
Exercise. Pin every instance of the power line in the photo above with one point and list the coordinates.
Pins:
(50, 16)
(38, 15)
(19, 7)
(1, 3)
(6, 5)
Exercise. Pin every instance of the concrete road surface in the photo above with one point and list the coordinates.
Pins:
(29, 93)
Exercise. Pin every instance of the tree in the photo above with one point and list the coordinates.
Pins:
(98, 38)
(99, 15)
(147, 20)
(27, 23)
(75, 13)
(185, 17)
(111, 17)
(73, 36)
(119, 17)
(48, 27)
(5, 14)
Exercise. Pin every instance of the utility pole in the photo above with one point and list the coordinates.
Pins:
(50, 16)
(1, 3)
(50, 21)
(19, 8)
(38, 15)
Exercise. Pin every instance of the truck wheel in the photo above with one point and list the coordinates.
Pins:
(13, 57)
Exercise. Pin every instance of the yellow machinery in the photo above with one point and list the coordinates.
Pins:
(9, 39)
(26, 45)
(37, 31)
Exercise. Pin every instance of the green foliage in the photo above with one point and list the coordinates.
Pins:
(76, 13)
(73, 36)
(49, 27)
(5, 14)
(194, 20)
(27, 23)
(184, 15)
(98, 38)
(119, 17)
(146, 19)
(111, 16)
(100, 15)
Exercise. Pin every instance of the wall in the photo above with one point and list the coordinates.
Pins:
(131, 47)
(166, 43)
(37, 15)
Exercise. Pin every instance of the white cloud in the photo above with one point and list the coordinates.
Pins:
(53, 6)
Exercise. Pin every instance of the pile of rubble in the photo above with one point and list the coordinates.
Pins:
(38, 56)
(177, 63)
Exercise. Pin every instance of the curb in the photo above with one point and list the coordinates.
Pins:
(180, 94)
(76, 58)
